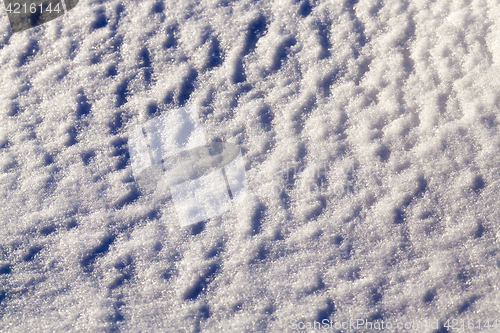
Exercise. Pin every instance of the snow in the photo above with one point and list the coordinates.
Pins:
(370, 138)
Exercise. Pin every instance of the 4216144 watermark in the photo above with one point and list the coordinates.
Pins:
(391, 325)
(26, 14)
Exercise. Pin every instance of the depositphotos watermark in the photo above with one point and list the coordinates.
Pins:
(313, 180)
(171, 151)
(26, 14)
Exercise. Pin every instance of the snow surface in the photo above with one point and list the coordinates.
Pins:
(370, 135)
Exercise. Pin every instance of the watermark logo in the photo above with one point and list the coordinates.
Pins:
(26, 14)
(204, 179)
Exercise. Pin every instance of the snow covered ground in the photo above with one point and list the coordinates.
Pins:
(370, 135)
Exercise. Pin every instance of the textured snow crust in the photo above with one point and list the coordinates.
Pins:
(370, 135)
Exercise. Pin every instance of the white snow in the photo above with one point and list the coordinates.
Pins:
(370, 135)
